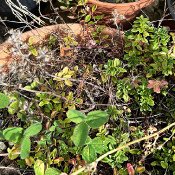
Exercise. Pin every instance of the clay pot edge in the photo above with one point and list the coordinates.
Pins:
(42, 34)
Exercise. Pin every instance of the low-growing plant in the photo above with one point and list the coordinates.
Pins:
(21, 138)
(77, 111)
(164, 156)
(147, 48)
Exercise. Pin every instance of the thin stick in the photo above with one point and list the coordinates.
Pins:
(91, 165)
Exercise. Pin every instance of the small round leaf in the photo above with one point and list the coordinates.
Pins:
(76, 116)
(95, 119)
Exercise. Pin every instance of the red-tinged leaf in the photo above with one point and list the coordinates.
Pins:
(48, 125)
(156, 88)
(81, 86)
(53, 114)
(67, 48)
(72, 161)
(61, 50)
(82, 162)
(130, 168)
(163, 83)
(78, 157)
(156, 85)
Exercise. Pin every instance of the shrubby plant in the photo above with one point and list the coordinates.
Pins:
(147, 47)
(87, 105)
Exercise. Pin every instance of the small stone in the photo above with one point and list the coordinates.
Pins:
(11, 144)
(2, 146)
(1, 121)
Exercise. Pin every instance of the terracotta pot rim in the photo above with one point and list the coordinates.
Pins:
(42, 34)
(125, 11)
(122, 4)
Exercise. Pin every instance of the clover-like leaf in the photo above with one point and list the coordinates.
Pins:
(95, 119)
(76, 116)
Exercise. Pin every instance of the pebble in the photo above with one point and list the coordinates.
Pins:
(2, 146)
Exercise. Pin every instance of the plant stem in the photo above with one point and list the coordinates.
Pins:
(119, 148)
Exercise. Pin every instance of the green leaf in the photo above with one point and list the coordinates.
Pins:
(25, 147)
(164, 64)
(99, 17)
(121, 70)
(131, 37)
(34, 52)
(89, 154)
(87, 18)
(33, 129)
(15, 149)
(4, 100)
(94, 7)
(150, 102)
(34, 84)
(52, 128)
(95, 119)
(42, 103)
(56, 100)
(174, 157)
(104, 77)
(155, 45)
(49, 105)
(97, 144)
(28, 87)
(108, 143)
(52, 171)
(39, 167)
(76, 116)
(88, 140)
(56, 123)
(13, 134)
(164, 164)
(126, 97)
(80, 134)
(14, 106)
(68, 83)
(154, 163)
(59, 130)
(134, 151)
